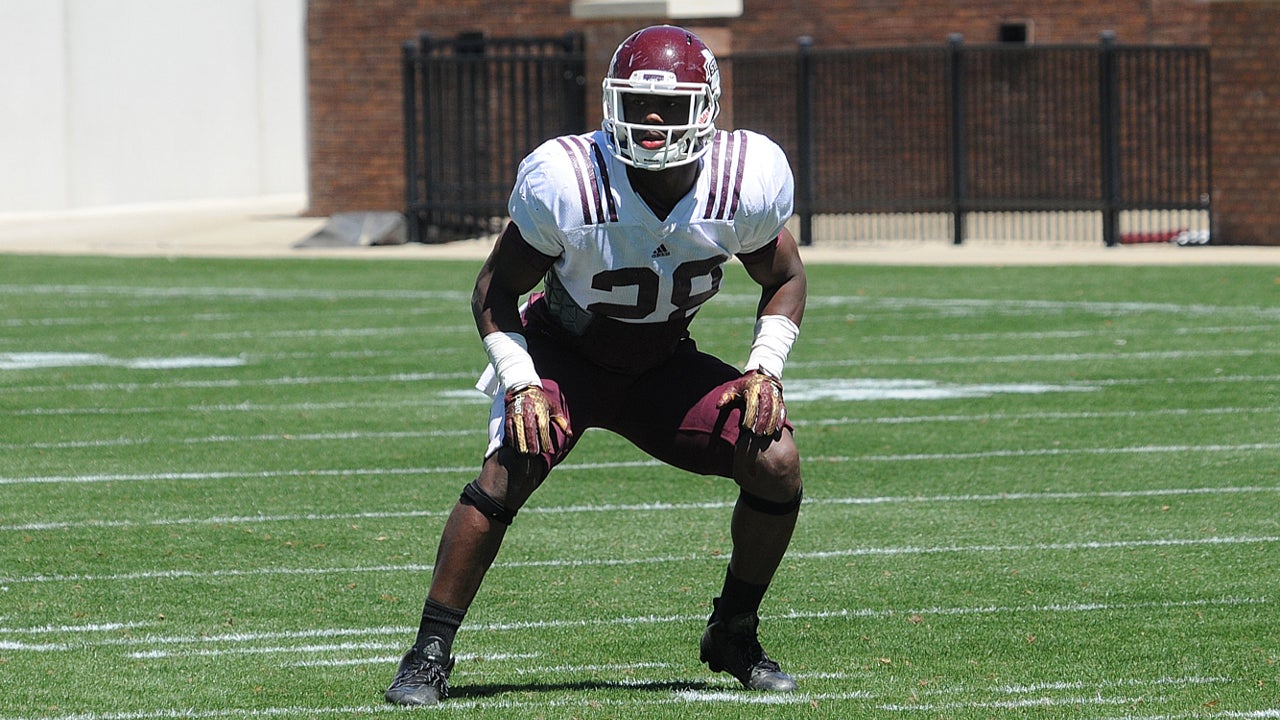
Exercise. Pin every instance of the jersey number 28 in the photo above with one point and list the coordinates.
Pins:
(646, 281)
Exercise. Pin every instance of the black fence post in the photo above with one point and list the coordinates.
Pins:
(1109, 110)
(409, 86)
(959, 159)
(804, 139)
(428, 213)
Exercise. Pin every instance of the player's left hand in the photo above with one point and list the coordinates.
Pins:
(760, 393)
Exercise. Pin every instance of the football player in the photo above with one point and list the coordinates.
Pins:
(628, 229)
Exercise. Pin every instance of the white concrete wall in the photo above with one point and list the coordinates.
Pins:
(110, 103)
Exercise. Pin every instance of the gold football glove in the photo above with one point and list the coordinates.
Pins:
(530, 415)
(761, 397)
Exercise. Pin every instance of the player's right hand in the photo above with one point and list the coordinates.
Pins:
(529, 417)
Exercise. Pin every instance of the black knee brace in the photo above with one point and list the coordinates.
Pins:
(769, 507)
(479, 499)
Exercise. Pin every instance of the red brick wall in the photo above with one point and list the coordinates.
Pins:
(354, 56)
(1245, 57)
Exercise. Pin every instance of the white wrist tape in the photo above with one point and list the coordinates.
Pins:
(509, 355)
(774, 336)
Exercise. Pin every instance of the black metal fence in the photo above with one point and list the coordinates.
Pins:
(1113, 139)
(473, 107)
(1105, 140)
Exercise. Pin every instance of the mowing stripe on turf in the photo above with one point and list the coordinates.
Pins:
(460, 704)
(811, 501)
(628, 562)
(590, 467)
(472, 375)
(452, 399)
(360, 435)
(240, 638)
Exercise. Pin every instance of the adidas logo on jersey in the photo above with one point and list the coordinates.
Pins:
(660, 251)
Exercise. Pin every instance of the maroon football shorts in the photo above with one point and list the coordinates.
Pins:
(668, 411)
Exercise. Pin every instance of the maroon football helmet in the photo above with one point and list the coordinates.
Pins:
(669, 62)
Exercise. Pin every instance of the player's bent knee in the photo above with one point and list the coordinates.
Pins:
(476, 497)
(773, 470)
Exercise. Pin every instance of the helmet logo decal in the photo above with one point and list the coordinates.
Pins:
(656, 77)
(712, 69)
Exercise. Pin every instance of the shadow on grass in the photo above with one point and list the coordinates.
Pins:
(480, 691)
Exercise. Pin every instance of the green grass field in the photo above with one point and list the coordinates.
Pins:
(1030, 493)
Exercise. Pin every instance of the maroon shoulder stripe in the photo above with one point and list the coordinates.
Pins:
(604, 176)
(713, 166)
(741, 167)
(728, 163)
(587, 190)
(731, 145)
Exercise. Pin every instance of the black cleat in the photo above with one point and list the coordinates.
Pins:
(423, 677)
(732, 646)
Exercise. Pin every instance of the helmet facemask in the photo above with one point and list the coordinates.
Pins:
(686, 138)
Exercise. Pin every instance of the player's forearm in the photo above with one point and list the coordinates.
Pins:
(786, 298)
(494, 309)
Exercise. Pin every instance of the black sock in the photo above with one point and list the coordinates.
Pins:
(738, 597)
(439, 621)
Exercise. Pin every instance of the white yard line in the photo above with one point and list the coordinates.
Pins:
(380, 403)
(225, 383)
(462, 297)
(1044, 452)
(479, 432)
(469, 376)
(254, 294)
(1036, 358)
(811, 501)
(568, 467)
(285, 437)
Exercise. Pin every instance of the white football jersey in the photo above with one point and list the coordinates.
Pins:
(614, 257)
